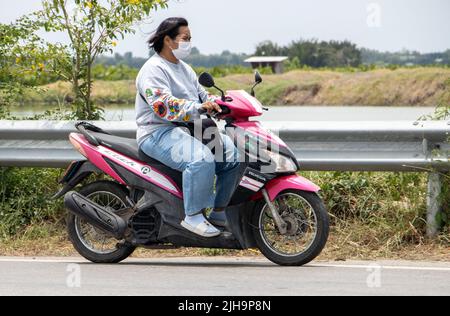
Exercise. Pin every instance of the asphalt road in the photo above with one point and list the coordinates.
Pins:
(219, 276)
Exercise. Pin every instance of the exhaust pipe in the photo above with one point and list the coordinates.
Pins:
(95, 215)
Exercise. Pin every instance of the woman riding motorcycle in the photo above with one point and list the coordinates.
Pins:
(169, 93)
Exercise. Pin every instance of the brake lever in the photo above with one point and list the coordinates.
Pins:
(215, 115)
(209, 115)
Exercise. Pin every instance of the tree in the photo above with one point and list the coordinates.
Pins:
(314, 53)
(23, 61)
(268, 48)
(93, 28)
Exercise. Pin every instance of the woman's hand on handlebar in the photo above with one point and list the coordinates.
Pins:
(211, 108)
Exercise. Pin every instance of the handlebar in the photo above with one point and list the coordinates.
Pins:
(225, 110)
(202, 111)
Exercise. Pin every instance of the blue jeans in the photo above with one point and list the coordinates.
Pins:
(177, 149)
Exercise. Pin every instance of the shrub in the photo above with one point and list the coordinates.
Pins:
(25, 198)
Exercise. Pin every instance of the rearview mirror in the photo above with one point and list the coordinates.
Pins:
(206, 80)
(258, 78)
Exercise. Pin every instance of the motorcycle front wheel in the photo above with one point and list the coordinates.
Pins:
(307, 228)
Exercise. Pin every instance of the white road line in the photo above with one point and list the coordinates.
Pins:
(30, 260)
(375, 265)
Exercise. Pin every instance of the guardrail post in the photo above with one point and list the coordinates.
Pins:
(433, 203)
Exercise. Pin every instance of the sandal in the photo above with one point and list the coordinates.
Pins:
(204, 229)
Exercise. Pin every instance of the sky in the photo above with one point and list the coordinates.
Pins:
(239, 25)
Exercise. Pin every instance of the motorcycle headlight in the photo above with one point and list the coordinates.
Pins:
(281, 163)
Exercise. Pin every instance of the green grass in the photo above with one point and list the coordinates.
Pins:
(25, 198)
(374, 215)
(400, 87)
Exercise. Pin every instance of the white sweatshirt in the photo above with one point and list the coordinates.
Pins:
(172, 94)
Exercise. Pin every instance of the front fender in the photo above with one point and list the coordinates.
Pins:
(292, 182)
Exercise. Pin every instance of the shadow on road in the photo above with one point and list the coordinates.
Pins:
(208, 264)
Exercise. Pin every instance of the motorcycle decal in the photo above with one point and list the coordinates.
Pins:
(256, 176)
(142, 170)
(146, 170)
(251, 184)
(116, 156)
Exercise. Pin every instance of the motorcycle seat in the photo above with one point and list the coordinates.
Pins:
(129, 147)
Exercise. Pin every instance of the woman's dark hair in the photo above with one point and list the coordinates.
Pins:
(169, 27)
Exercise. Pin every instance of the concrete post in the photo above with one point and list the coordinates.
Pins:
(433, 203)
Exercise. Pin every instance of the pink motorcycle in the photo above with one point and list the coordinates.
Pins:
(141, 204)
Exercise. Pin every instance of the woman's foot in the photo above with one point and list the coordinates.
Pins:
(200, 226)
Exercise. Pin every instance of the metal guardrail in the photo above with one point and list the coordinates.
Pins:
(319, 146)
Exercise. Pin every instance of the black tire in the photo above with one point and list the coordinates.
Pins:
(118, 255)
(316, 246)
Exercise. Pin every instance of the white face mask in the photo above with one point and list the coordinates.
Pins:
(184, 50)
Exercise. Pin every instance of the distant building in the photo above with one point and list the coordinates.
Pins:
(275, 62)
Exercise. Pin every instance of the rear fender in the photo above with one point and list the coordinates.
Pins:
(75, 174)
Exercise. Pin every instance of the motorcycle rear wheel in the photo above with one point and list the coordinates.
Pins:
(91, 243)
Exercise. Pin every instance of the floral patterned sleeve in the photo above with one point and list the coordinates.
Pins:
(167, 107)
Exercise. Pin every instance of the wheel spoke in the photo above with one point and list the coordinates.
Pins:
(302, 225)
(92, 238)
